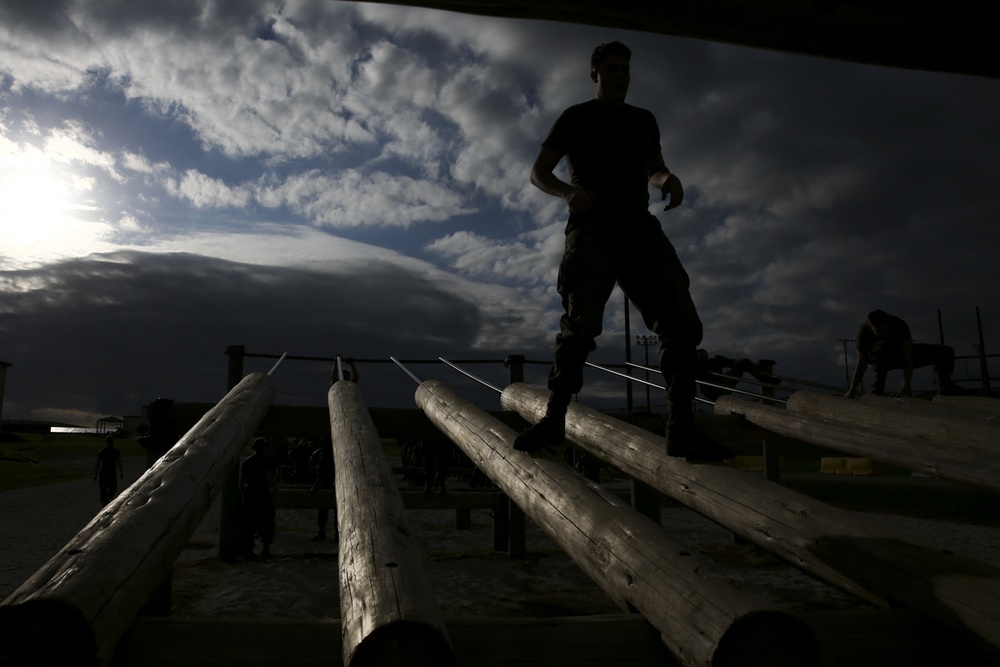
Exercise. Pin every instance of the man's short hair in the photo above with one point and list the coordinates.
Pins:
(605, 51)
(877, 318)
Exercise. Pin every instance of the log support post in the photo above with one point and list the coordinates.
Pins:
(230, 515)
(235, 367)
(772, 461)
(517, 541)
(646, 500)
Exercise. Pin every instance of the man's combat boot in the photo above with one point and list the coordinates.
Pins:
(550, 431)
(945, 387)
(687, 442)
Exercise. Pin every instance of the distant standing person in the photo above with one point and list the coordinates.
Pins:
(257, 482)
(884, 342)
(108, 459)
(612, 150)
(322, 460)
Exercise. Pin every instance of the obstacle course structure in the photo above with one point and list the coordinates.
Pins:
(94, 589)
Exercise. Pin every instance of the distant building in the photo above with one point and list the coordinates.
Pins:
(110, 425)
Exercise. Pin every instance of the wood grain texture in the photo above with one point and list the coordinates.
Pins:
(115, 564)
(390, 616)
(840, 547)
(703, 620)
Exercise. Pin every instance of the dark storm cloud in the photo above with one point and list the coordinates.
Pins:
(109, 333)
(46, 17)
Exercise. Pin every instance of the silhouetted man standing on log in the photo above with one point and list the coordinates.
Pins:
(613, 153)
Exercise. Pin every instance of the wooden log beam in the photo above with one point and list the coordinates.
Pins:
(104, 575)
(915, 35)
(962, 407)
(968, 465)
(985, 405)
(950, 435)
(701, 618)
(389, 615)
(840, 547)
(851, 638)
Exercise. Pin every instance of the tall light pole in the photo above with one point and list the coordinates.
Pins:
(646, 341)
(628, 358)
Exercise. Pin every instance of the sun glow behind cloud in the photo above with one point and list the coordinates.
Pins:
(47, 210)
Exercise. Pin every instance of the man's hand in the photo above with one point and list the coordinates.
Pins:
(580, 200)
(672, 186)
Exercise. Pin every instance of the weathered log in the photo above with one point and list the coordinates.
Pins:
(985, 405)
(949, 434)
(960, 407)
(840, 547)
(104, 575)
(701, 618)
(388, 611)
(969, 465)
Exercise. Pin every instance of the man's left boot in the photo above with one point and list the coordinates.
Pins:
(687, 442)
(550, 431)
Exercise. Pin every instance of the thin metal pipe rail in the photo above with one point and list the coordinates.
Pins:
(471, 376)
(277, 363)
(406, 370)
(750, 380)
(700, 382)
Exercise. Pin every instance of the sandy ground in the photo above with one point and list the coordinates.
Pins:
(470, 580)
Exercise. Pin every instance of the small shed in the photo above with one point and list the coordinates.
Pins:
(110, 425)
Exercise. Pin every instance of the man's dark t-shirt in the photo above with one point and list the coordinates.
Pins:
(109, 462)
(608, 150)
(897, 333)
(256, 471)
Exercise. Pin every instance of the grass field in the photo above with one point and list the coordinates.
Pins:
(31, 459)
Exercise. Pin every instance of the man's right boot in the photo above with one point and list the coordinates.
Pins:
(550, 431)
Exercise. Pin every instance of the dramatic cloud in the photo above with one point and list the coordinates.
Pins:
(332, 177)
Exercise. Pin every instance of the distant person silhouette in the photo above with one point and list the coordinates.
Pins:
(322, 460)
(710, 369)
(108, 460)
(885, 343)
(257, 482)
(612, 150)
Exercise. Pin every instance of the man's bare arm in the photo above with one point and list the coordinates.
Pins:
(543, 177)
(667, 183)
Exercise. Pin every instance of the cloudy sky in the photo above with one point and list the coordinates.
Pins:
(332, 178)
